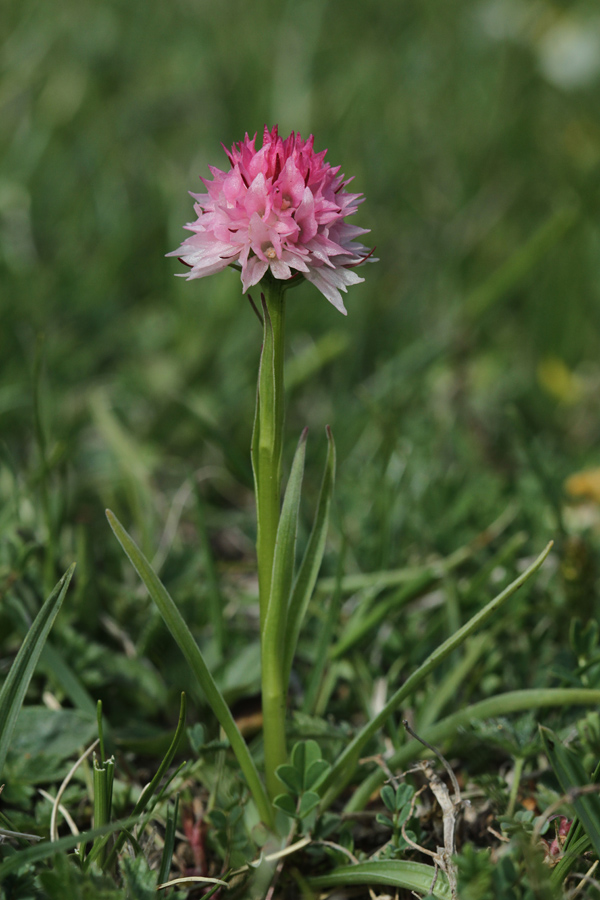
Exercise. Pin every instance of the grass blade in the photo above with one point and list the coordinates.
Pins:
(346, 763)
(311, 562)
(572, 776)
(327, 625)
(361, 625)
(46, 849)
(169, 845)
(500, 705)
(151, 788)
(103, 775)
(53, 664)
(185, 640)
(17, 680)
(576, 844)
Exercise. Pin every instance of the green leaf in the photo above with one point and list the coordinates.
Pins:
(102, 775)
(64, 879)
(311, 562)
(395, 873)
(17, 681)
(306, 770)
(285, 551)
(169, 845)
(361, 625)
(315, 772)
(404, 795)
(285, 803)
(498, 705)
(278, 585)
(50, 732)
(571, 775)
(139, 880)
(309, 801)
(53, 664)
(291, 778)
(46, 849)
(388, 795)
(572, 853)
(304, 754)
(384, 820)
(152, 787)
(346, 763)
(185, 640)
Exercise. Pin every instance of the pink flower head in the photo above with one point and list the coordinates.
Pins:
(281, 208)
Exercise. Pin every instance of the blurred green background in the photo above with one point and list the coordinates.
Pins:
(466, 376)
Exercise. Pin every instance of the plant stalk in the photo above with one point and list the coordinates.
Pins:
(267, 445)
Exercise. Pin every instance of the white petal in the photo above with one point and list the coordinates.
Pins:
(280, 269)
(253, 271)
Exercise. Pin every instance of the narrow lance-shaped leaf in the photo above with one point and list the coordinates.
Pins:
(274, 688)
(576, 844)
(324, 640)
(346, 763)
(490, 708)
(150, 789)
(364, 621)
(572, 776)
(185, 640)
(285, 550)
(52, 662)
(363, 624)
(46, 849)
(392, 872)
(17, 681)
(169, 845)
(311, 562)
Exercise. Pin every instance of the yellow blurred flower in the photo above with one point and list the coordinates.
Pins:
(585, 485)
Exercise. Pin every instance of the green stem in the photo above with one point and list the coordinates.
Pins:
(266, 459)
(268, 437)
(273, 709)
